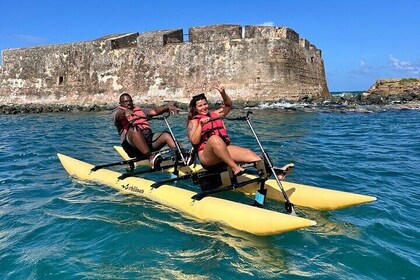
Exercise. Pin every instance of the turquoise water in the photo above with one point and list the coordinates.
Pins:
(54, 227)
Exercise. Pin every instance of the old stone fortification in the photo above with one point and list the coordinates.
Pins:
(253, 63)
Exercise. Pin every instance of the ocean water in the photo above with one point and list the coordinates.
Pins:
(55, 227)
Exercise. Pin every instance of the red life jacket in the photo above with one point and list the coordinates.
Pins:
(137, 119)
(213, 127)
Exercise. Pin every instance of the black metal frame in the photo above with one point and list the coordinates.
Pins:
(264, 169)
(195, 176)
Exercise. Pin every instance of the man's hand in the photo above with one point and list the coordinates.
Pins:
(128, 113)
(173, 109)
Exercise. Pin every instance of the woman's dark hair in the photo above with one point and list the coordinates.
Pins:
(193, 102)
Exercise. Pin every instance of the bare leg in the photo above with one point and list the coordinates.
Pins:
(161, 139)
(240, 154)
(215, 152)
(137, 138)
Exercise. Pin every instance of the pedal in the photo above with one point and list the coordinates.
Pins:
(131, 164)
(191, 157)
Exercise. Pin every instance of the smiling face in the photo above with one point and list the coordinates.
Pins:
(202, 107)
(126, 101)
(198, 106)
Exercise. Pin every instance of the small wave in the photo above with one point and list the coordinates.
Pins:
(281, 105)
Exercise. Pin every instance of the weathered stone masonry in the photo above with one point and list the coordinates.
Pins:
(253, 62)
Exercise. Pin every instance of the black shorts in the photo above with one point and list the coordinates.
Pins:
(133, 152)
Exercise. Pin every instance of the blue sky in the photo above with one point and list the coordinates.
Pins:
(361, 40)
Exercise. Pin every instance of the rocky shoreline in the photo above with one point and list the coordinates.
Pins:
(31, 108)
(386, 94)
(346, 102)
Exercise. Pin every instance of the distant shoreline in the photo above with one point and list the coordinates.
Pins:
(385, 94)
(336, 103)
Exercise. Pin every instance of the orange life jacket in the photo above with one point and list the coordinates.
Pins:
(137, 119)
(215, 126)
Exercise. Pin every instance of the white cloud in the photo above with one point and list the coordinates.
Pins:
(395, 67)
(404, 66)
(269, 23)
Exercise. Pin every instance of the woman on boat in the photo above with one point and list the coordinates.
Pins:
(209, 136)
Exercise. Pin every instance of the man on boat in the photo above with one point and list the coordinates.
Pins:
(137, 137)
(209, 136)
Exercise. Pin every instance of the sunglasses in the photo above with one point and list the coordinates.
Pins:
(199, 97)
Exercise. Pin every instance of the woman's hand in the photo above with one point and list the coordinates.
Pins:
(219, 87)
(227, 102)
(204, 120)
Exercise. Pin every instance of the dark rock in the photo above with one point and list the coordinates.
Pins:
(251, 103)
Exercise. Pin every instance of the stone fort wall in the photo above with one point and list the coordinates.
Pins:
(257, 63)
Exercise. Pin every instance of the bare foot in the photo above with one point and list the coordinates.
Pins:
(237, 171)
(283, 171)
(281, 176)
